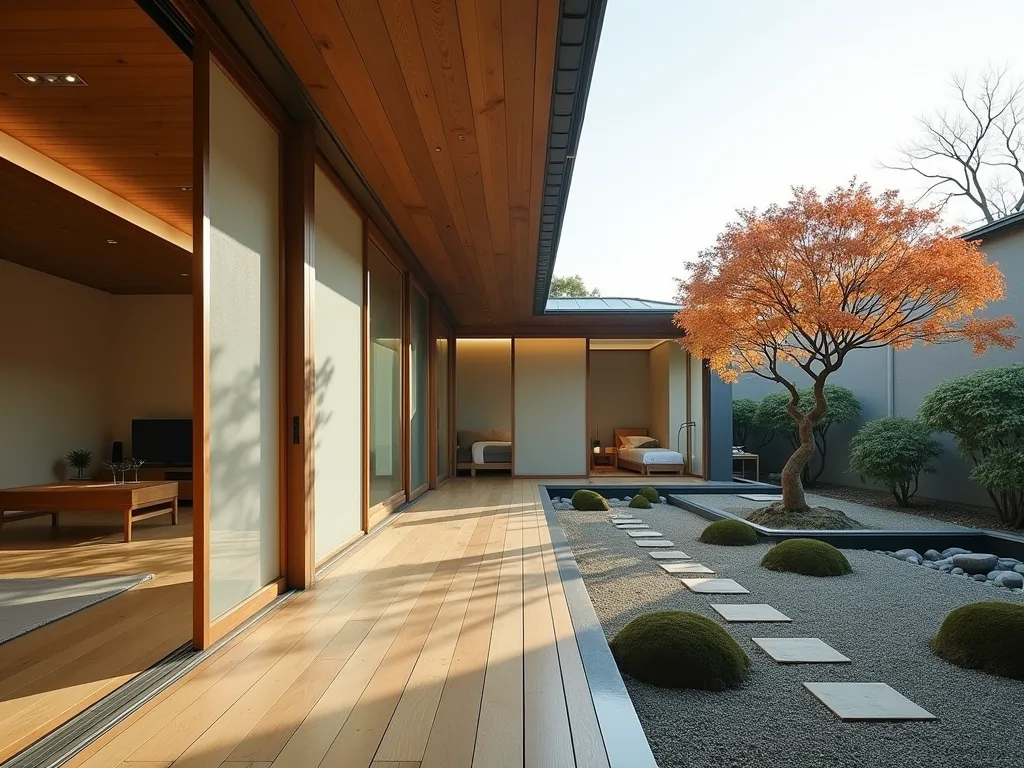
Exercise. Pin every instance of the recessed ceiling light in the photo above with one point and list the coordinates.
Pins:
(112, 242)
(184, 274)
(186, 189)
(50, 78)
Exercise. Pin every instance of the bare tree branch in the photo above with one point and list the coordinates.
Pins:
(975, 149)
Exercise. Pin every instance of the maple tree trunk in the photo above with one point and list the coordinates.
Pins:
(793, 497)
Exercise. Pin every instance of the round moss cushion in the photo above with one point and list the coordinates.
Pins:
(651, 494)
(986, 636)
(729, 533)
(639, 502)
(807, 556)
(676, 649)
(589, 501)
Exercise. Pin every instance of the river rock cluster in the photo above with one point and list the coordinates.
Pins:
(991, 569)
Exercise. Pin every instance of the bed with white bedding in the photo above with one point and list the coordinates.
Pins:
(639, 452)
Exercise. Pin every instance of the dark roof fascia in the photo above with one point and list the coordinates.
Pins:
(1007, 223)
(579, 30)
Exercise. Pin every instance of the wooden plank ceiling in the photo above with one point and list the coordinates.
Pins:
(443, 106)
(130, 129)
(49, 229)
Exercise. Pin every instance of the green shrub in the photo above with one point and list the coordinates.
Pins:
(984, 411)
(651, 494)
(729, 533)
(807, 556)
(987, 636)
(639, 502)
(894, 451)
(676, 649)
(842, 406)
(744, 413)
(589, 501)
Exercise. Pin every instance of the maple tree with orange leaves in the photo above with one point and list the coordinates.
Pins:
(809, 282)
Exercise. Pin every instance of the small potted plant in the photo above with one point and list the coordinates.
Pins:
(79, 460)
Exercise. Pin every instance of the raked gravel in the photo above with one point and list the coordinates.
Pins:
(882, 616)
(873, 517)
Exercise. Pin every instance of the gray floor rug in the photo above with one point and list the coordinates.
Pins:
(27, 604)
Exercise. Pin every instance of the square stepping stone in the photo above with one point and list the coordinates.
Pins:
(672, 554)
(644, 534)
(867, 701)
(749, 612)
(715, 587)
(653, 543)
(761, 497)
(685, 568)
(800, 650)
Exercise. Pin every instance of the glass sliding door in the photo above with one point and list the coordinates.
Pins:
(441, 387)
(385, 317)
(419, 414)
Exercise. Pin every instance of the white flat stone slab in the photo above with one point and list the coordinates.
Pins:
(644, 534)
(672, 554)
(760, 497)
(626, 521)
(715, 587)
(867, 701)
(632, 526)
(800, 650)
(685, 568)
(620, 516)
(653, 543)
(749, 612)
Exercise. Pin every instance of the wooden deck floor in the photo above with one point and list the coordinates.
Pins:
(51, 674)
(443, 641)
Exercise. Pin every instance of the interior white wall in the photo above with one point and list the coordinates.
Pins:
(54, 374)
(244, 289)
(152, 365)
(550, 407)
(338, 349)
(620, 392)
(82, 365)
(658, 368)
(483, 384)
(696, 396)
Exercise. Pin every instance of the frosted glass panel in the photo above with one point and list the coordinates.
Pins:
(442, 408)
(697, 414)
(338, 346)
(550, 407)
(385, 313)
(244, 348)
(419, 416)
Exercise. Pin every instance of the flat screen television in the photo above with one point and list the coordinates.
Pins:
(163, 441)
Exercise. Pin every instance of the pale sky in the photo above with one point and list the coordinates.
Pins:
(701, 107)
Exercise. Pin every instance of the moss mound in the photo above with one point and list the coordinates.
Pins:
(639, 502)
(589, 501)
(729, 533)
(651, 494)
(807, 556)
(676, 649)
(987, 636)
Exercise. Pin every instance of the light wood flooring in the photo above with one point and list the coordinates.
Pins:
(444, 641)
(51, 674)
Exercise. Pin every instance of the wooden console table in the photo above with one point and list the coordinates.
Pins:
(743, 458)
(136, 501)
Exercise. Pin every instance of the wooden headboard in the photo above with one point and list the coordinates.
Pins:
(622, 432)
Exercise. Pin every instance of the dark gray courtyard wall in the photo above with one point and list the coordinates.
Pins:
(915, 372)
(720, 437)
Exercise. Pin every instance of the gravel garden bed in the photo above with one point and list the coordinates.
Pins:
(872, 517)
(882, 616)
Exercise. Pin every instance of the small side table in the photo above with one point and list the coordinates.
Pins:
(743, 458)
(608, 459)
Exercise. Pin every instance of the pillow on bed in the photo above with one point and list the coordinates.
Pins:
(641, 441)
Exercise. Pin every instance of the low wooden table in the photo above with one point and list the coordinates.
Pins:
(743, 458)
(137, 501)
